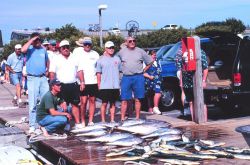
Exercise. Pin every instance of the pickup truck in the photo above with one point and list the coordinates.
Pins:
(228, 79)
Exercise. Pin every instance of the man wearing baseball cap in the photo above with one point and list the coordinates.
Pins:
(49, 116)
(52, 50)
(66, 68)
(15, 64)
(107, 70)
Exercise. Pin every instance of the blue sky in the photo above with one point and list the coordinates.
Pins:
(21, 14)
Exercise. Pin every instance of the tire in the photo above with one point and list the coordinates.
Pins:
(171, 94)
(168, 99)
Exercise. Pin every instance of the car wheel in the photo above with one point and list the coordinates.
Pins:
(167, 98)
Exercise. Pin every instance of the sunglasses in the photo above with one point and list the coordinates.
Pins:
(111, 47)
(57, 84)
(65, 47)
(130, 41)
(87, 44)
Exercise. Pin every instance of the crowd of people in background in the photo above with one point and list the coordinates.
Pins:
(56, 79)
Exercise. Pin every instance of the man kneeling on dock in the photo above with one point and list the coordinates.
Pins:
(49, 116)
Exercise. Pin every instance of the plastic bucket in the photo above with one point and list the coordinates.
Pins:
(245, 131)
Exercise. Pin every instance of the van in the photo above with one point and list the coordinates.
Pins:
(170, 27)
(114, 31)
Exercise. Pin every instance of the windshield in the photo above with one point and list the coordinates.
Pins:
(170, 55)
(163, 50)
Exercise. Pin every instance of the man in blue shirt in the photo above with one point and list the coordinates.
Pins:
(37, 69)
(15, 67)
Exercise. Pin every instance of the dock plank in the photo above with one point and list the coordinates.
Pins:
(78, 152)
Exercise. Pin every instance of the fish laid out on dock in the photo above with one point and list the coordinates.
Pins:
(110, 137)
(181, 162)
(88, 128)
(126, 141)
(93, 133)
(163, 131)
(143, 129)
(141, 140)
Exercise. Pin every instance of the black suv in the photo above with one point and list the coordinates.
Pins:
(229, 75)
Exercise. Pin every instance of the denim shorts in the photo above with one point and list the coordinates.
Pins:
(135, 84)
(16, 78)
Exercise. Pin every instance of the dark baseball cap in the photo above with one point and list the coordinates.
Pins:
(54, 82)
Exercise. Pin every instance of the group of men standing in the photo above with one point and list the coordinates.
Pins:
(78, 77)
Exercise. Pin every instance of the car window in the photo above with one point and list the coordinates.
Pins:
(163, 50)
(171, 54)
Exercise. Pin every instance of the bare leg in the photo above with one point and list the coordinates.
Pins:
(123, 109)
(191, 110)
(112, 112)
(91, 108)
(130, 107)
(45, 132)
(137, 108)
(205, 111)
(84, 100)
(103, 111)
(75, 112)
(18, 91)
(150, 106)
(157, 97)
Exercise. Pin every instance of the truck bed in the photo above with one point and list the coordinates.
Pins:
(213, 81)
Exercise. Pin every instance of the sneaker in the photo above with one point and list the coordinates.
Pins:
(156, 110)
(38, 131)
(77, 126)
(91, 124)
(32, 130)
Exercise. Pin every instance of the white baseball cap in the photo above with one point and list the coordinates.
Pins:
(108, 44)
(63, 43)
(18, 46)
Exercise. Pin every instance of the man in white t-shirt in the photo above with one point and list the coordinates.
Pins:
(66, 68)
(88, 59)
(52, 51)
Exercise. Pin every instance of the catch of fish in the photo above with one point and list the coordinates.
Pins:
(152, 141)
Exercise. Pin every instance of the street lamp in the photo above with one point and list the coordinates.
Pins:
(101, 7)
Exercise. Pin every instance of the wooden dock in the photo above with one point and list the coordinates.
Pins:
(74, 151)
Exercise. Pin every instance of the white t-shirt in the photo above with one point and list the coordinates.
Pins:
(65, 68)
(88, 62)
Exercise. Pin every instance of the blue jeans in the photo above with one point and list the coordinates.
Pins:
(37, 87)
(135, 84)
(25, 87)
(16, 78)
(52, 123)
